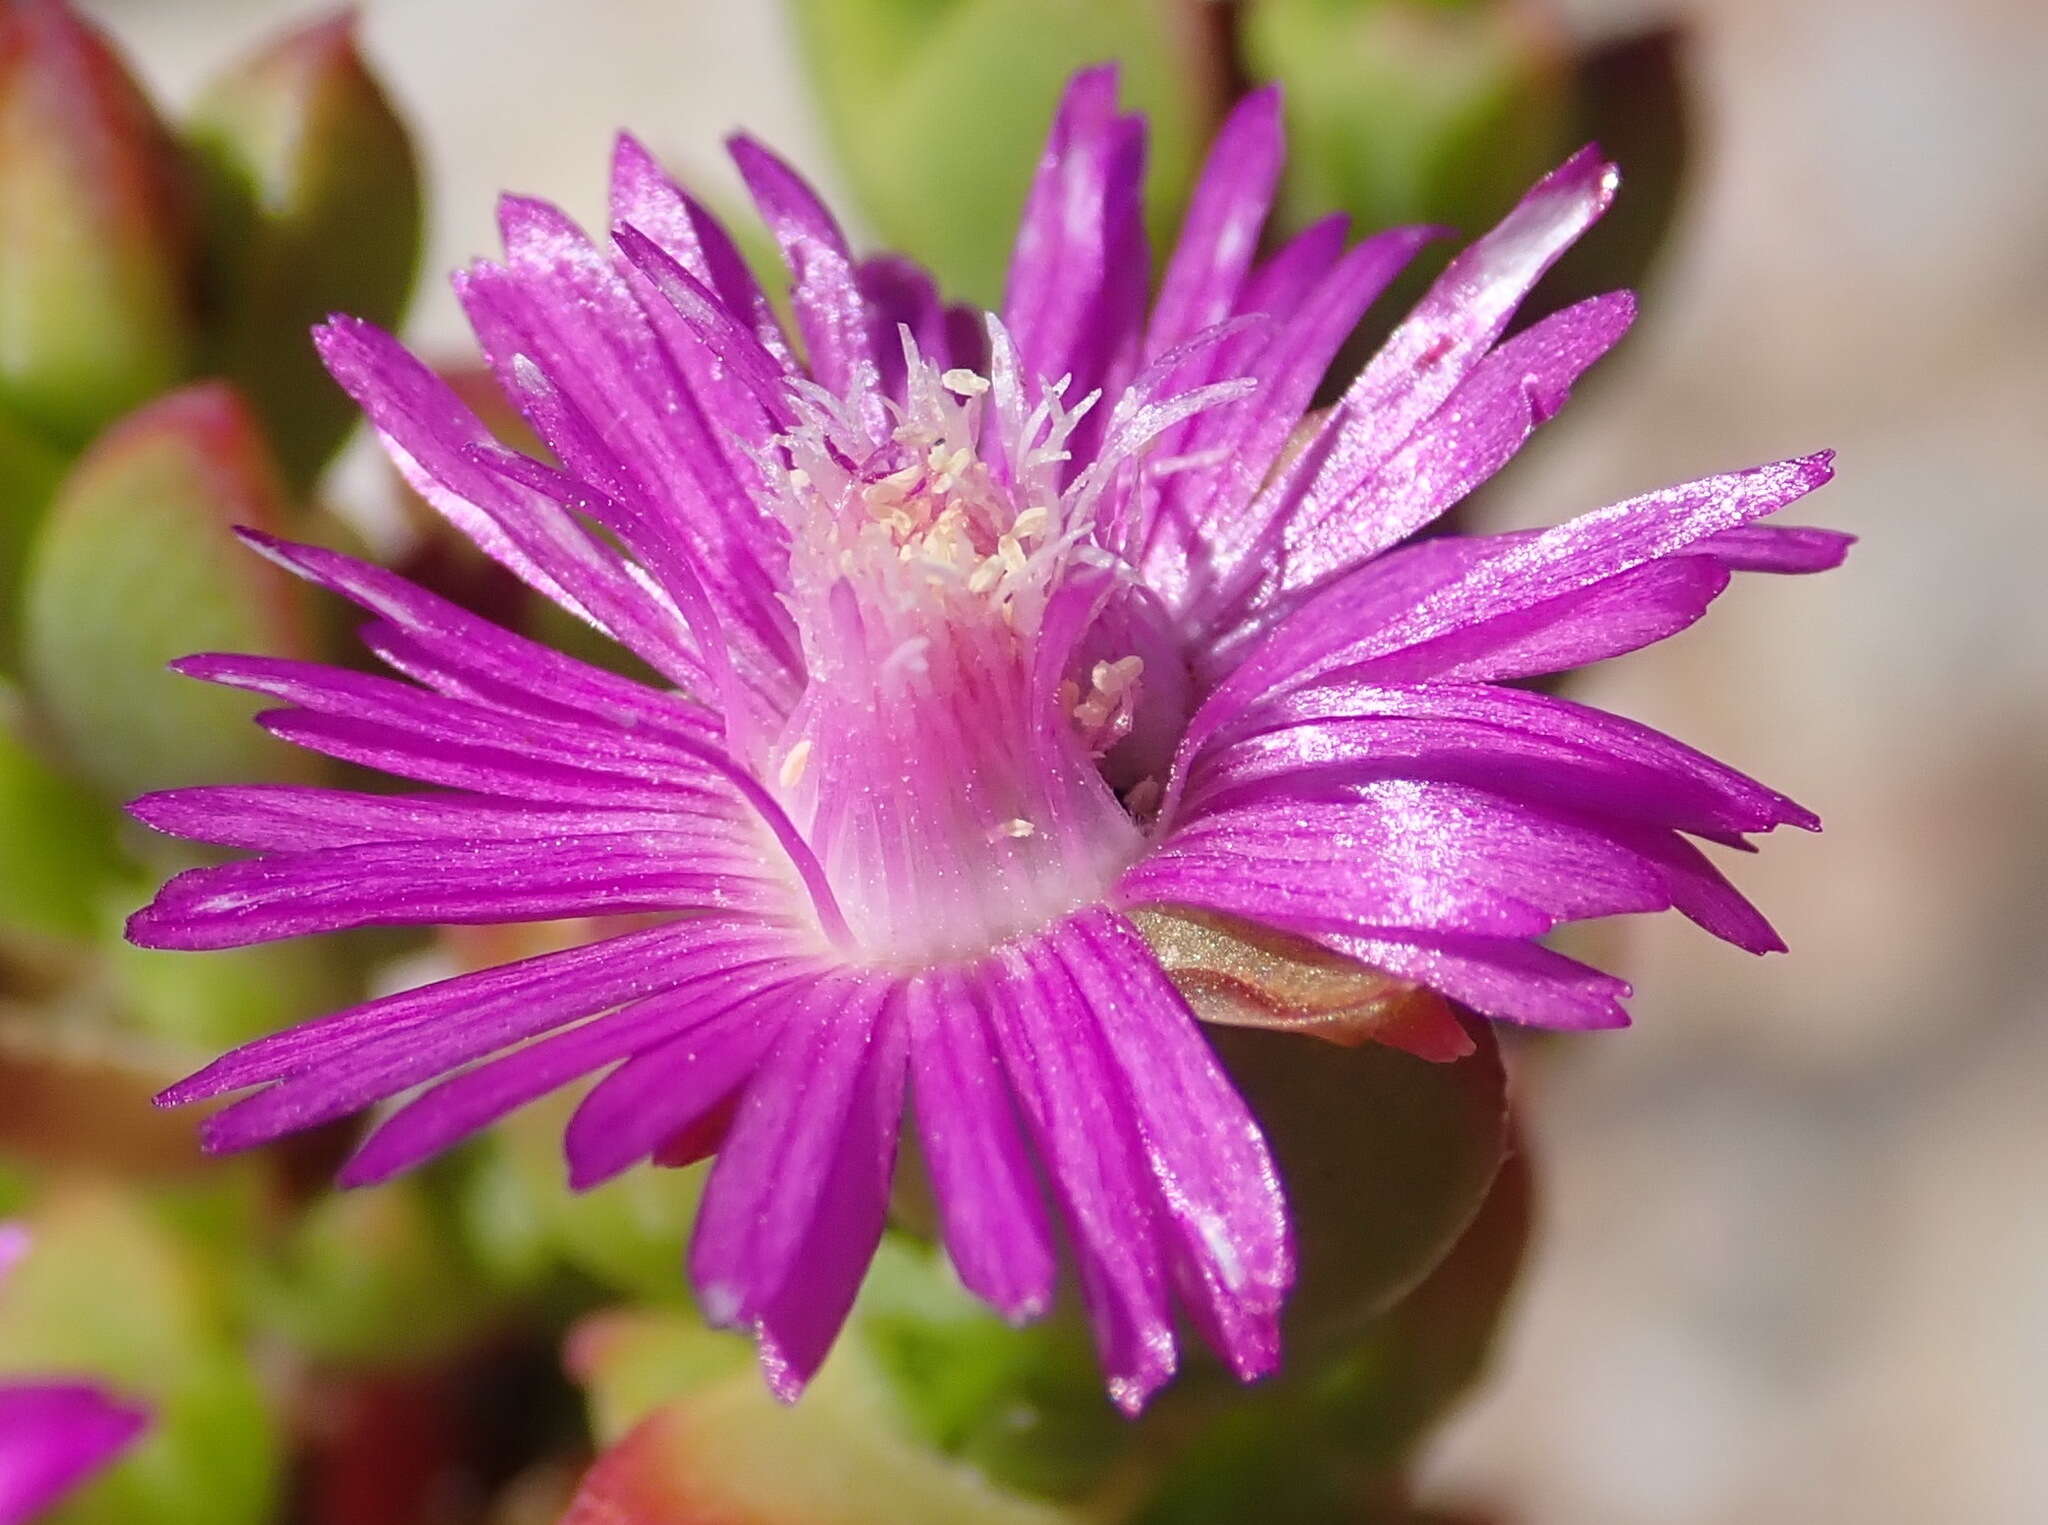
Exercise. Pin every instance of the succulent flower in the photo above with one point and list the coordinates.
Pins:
(966, 638)
(53, 1433)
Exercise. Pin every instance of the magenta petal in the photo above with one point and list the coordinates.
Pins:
(429, 431)
(901, 294)
(454, 1109)
(1510, 740)
(1444, 338)
(1790, 548)
(1506, 978)
(670, 1087)
(297, 818)
(798, 1323)
(1623, 613)
(1075, 298)
(1218, 1187)
(1480, 426)
(766, 1186)
(644, 197)
(1209, 514)
(54, 1435)
(1458, 589)
(404, 1051)
(1403, 852)
(826, 294)
(994, 1219)
(1220, 235)
(1073, 1102)
(434, 883)
(457, 653)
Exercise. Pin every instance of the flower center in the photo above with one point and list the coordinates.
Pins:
(942, 761)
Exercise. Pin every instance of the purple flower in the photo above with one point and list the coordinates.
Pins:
(53, 1435)
(973, 634)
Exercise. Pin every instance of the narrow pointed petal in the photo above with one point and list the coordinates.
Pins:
(1071, 1101)
(765, 1189)
(1456, 589)
(1220, 236)
(995, 1225)
(430, 434)
(1075, 298)
(1480, 426)
(1788, 548)
(1448, 333)
(456, 652)
(454, 1109)
(1217, 1182)
(825, 287)
(527, 997)
(1208, 513)
(670, 1087)
(393, 1061)
(292, 818)
(800, 1321)
(54, 1435)
(1511, 740)
(646, 198)
(444, 883)
(1505, 978)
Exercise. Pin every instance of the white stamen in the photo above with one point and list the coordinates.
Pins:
(1113, 678)
(793, 765)
(964, 383)
(1016, 827)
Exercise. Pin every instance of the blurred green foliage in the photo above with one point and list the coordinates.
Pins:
(938, 109)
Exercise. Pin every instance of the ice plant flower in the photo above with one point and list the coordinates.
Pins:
(53, 1434)
(969, 638)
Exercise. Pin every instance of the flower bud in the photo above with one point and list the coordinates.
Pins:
(1402, 111)
(938, 108)
(1333, 1437)
(96, 309)
(312, 206)
(135, 566)
(1386, 1158)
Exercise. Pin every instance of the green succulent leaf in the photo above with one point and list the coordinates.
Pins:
(1331, 1438)
(1025, 1406)
(374, 1278)
(312, 206)
(939, 107)
(135, 566)
(96, 309)
(1405, 111)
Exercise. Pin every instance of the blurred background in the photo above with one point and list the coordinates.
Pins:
(1792, 1260)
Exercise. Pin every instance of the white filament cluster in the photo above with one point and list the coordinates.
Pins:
(942, 769)
(945, 506)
